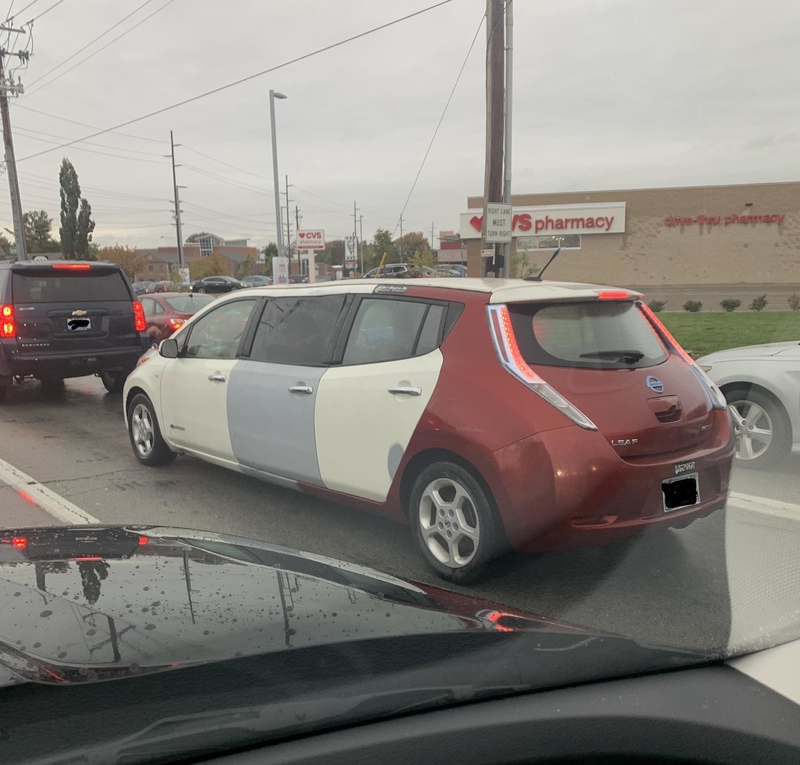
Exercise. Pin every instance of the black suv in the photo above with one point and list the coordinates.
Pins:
(68, 319)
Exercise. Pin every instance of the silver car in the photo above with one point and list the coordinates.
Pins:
(762, 386)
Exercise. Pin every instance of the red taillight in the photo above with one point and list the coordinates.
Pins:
(176, 323)
(73, 266)
(505, 343)
(717, 398)
(143, 540)
(19, 542)
(138, 315)
(7, 327)
(614, 295)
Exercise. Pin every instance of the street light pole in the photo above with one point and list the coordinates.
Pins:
(276, 183)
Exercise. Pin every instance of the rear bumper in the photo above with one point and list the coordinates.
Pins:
(569, 488)
(77, 364)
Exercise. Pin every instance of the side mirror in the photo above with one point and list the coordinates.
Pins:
(169, 348)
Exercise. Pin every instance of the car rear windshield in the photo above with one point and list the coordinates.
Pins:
(50, 286)
(188, 303)
(596, 335)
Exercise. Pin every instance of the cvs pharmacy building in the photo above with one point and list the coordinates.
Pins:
(714, 235)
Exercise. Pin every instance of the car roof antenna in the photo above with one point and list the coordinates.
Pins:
(538, 277)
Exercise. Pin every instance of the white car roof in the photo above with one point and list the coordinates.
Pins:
(500, 290)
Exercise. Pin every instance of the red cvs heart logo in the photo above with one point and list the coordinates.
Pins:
(302, 234)
(477, 222)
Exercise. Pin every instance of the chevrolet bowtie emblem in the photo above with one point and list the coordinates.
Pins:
(79, 313)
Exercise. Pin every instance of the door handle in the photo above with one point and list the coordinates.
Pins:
(406, 391)
(217, 378)
(301, 389)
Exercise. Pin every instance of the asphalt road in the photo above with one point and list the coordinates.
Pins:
(669, 588)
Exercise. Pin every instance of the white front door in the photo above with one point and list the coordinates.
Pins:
(368, 408)
(194, 387)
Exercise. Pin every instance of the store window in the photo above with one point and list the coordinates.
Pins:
(564, 241)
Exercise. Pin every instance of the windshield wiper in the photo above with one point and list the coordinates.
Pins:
(627, 356)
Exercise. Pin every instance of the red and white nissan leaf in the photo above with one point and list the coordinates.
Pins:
(487, 414)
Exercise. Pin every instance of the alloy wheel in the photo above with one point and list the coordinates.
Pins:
(142, 430)
(449, 522)
(754, 429)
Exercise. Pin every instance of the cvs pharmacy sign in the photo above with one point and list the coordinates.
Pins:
(311, 239)
(546, 220)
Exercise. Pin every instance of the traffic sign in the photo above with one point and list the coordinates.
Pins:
(498, 223)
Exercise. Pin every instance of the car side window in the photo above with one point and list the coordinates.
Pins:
(148, 304)
(384, 330)
(159, 308)
(217, 334)
(299, 330)
(429, 336)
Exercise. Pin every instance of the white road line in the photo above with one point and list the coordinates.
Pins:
(48, 500)
(765, 505)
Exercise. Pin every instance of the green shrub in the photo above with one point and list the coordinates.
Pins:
(759, 303)
(693, 306)
(794, 302)
(730, 305)
(656, 306)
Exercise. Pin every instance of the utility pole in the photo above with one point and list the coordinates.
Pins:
(508, 126)
(432, 239)
(493, 177)
(177, 201)
(355, 233)
(289, 232)
(401, 238)
(361, 239)
(6, 88)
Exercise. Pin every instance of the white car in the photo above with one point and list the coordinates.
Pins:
(762, 386)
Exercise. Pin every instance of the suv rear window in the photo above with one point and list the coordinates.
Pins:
(50, 286)
(596, 335)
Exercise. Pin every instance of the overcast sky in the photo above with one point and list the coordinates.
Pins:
(608, 94)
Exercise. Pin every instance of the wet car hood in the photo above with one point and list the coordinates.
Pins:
(90, 603)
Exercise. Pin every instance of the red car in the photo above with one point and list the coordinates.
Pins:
(165, 312)
(487, 414)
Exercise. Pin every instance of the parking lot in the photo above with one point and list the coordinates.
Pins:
(670, 587)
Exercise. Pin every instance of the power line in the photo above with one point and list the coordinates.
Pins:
(227, 164)
(243, 79)
(89, 44)
(100, 50)
(224, 179)
(47, 10)
(9, 16)
(441, 119)
(91, 143)
(18, 105)
(94, 151)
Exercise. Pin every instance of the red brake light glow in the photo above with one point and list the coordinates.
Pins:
(176, 323)
(505, 344)
(7, 327)
(19, 542)
(614, 295)
(138, 315)
(73, 266)
(143, 540)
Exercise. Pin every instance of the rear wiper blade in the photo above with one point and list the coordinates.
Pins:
(634, 356)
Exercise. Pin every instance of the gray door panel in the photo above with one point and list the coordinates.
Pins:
(272, 428)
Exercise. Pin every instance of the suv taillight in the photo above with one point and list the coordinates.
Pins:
(7, 328)
(138, 315)
(505, 344)
(714, 393)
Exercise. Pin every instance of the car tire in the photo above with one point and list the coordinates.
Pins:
(453, 522)
(114, 382)
(201, 290)
(757, 417)
(147, 442)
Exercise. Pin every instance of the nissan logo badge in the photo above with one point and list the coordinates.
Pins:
(655, 384)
